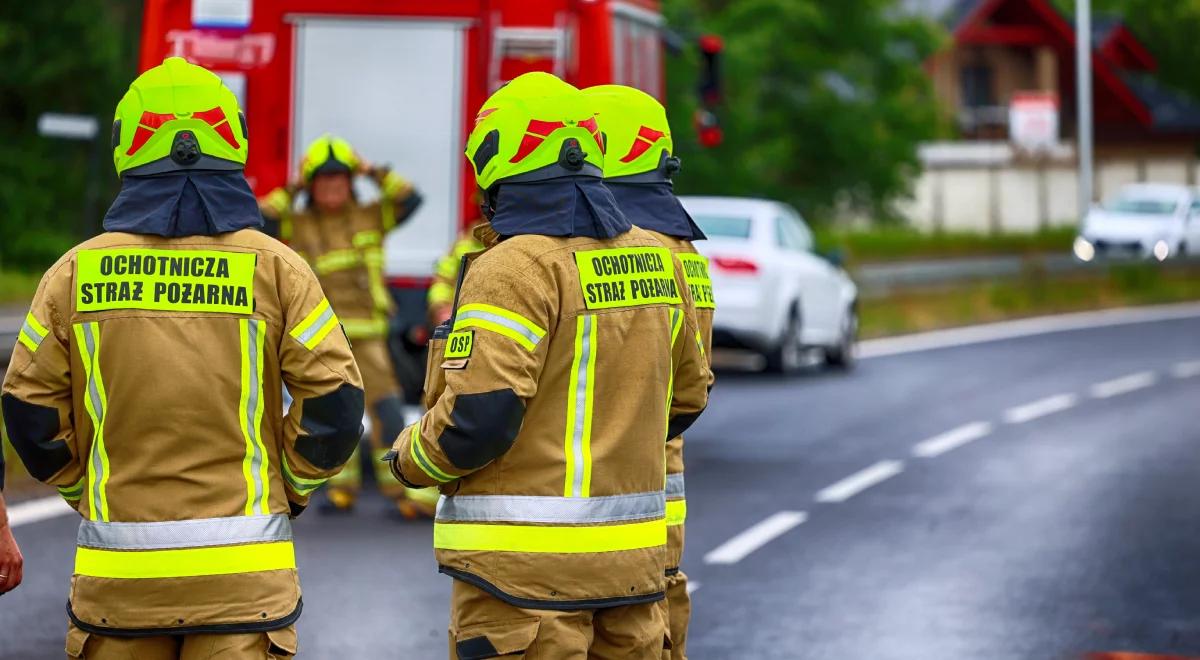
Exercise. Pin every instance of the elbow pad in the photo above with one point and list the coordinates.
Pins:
(332, 424)
(482, 427)
(32, 430)
(680, 423)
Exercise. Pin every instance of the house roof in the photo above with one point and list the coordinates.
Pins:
(1170, 111)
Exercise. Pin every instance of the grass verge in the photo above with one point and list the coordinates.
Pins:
(1033, 294)
(899, 243)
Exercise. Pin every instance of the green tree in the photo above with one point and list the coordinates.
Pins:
(74, 56)
(825, 101)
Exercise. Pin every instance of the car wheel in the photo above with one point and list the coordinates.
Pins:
(788, 355)
(841, 355)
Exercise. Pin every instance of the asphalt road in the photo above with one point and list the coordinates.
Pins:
(1025, 498)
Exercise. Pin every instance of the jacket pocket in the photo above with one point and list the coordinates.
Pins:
(282, 643)
(76, 639)
(492, 640)
(435, 380)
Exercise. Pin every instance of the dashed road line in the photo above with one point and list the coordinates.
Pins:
(1123, 385)
(37, 510)
(952, 439)
(860, 481)
(1189, 369)
(1040, 408)
(738, 547)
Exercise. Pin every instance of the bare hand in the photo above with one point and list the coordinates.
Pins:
(11, 562)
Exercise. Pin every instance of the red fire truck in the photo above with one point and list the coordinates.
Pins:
(399, 79)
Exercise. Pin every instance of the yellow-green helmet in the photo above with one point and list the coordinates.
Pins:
(534, 128)
(178, 116)
(636, 133)
(328, 155)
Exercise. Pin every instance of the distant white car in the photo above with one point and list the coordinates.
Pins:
(774, 295)
(1144, 221)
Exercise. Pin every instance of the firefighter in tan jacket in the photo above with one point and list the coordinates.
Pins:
(571, 361)
(638, 167)
(146, 386)
(343, 241)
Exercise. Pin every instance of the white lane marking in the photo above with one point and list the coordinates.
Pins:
(37, 510)
(736, 548)
(692, 586)
(1123, 385)
(978, 334)
(1186, 369)
(860, 481)
(1040, 408)
(952, 439)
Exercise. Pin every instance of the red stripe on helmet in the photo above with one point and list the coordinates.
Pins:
(535, 135)
(594, 130)
(646, 138)
(140, 137)
(216, 118)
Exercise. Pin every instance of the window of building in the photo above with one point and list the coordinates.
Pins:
(977, 86)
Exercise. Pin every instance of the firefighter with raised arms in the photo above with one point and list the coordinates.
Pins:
(638, 167)
(146, 384)
(550, 411)
(343, 241)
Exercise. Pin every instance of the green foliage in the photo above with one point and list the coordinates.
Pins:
(74, 56)
(898, 243)
(825, 100)
(1167, 28)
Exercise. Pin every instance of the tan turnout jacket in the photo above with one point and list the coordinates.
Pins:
(571, 362)
(147, 386)
(695, 270)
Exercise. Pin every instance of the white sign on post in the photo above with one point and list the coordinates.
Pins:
(222, 13)
(70, 127)
(1033, 121)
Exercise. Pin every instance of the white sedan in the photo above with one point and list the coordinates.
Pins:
(1142, 220)
(775, 295)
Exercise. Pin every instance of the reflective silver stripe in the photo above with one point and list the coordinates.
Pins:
(537, 509)
(32, 333)
(582, 387)
(184, 533)
(258, 503)
(675, 490)
(97, 504)
(516, 327)
(315, 326)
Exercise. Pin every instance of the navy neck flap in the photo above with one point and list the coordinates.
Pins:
(654, 206)
(197, 203)
(570, 206)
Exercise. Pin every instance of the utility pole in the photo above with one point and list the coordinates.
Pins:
(1083, 93)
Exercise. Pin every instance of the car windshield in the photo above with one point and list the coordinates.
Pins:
(723, 226)
(1141, 206)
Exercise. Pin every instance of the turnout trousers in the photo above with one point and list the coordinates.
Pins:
(483, 626)
(274, 645)
(677, 610)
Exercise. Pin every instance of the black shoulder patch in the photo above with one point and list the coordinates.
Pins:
(679, 424)
(332, 424)
(32, 429)
(476, 648)
(482, 427)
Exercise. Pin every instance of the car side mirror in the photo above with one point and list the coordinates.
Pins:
(835, 257)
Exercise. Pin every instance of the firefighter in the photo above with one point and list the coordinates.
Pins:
(144, 381)
(552, 399)
(445, 274)
(638, 166)
(343, 241)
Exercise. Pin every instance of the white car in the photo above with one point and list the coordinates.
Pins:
(774, 294)
(1143, 220)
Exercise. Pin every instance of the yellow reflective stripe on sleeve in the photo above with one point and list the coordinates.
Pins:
(302, 485)
(564, 539)
(695, 273)
(315, 326)
(627, 277)
(676, 512)
(32, 333)
(676, 326)
(250, 412)
(87, 339)
(500, 321)
(336, 260)
(72, 493)
(186, 562)
(393, 184)
(365, 328)
(366, 239)
(165, 280)
(578, 441)
(422, 460)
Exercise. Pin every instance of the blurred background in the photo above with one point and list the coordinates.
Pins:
(865, 169)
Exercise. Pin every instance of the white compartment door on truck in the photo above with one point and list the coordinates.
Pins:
(394, 89)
